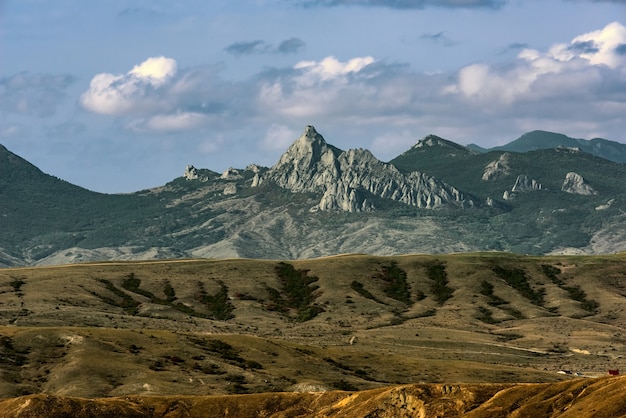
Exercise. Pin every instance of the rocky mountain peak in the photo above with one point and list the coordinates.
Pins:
(429, 141)
(346, 179)
(435, 141)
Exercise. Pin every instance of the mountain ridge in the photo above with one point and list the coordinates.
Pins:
(538, 139)
(319, 200)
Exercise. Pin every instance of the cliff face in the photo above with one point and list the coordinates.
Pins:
(349, 179)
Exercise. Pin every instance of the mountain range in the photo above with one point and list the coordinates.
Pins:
(542, 193)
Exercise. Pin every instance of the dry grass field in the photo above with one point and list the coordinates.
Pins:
(347, 323)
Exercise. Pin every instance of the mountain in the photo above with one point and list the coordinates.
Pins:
(319, 200)
(349, 180)
(536, 140)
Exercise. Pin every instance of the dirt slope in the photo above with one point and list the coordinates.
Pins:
(586, 398)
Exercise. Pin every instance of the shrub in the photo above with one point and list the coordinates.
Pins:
(395, 284)
(517, 279)
(297, 292)
(218, 305)
(360, 289)
(437, 273)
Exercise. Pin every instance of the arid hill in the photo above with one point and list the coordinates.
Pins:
(218, 327)
(581, 398)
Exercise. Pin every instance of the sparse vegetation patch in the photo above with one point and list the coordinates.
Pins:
(437, 273)
(395, 283)
(126, 301)
(517, 279)
(133, 283)
(16, 284)
(218, 305)
(485, 315)
(297, 293)
(361, 290)
(486, 289)
(574, 292)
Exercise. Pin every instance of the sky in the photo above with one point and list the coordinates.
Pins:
(120, 95)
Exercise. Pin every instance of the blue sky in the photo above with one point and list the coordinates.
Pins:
(118, 96)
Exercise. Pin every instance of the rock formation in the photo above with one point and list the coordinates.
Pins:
(231, 174)
(525, 183)
(190, 173)
(497, 168)
(345, 179)
(575, 183)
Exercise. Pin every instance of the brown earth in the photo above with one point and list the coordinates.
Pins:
(584, 398)
(187, 332)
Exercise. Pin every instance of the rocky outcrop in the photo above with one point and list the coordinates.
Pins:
(525, 183)
(191, 173)
(576, 184)
(606, 205)
(450, 148)
(497, 168)
(231, 174)
(346, 179)
(230, 189)
(340, 196)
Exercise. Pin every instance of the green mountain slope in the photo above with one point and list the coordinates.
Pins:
(537, 140)
(515, 203)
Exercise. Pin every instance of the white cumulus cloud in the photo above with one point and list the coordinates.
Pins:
(136, 92)
(330, 68)
(316, 87)
(534, 74)
(155, 70)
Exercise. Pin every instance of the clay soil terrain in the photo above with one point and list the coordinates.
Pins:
(486, 334)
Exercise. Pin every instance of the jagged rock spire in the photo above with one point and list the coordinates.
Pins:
(348, 179)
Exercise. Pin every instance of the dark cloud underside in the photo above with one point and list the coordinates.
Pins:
(247, 47)
(291, 46)
(288, 46)
(620, 49)
(587, 47)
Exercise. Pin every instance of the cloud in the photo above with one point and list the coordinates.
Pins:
(247, 48)
(291, 46)
(136, 92)
(155, 71)
(439, 38)
(12, 131)
(278, 137)
(139, 12)
(575, 87)
(175, 122)
(33, 94)
(620, 49)
(571, 69)
(288, 46)
(155, 96)
(359, 89)
(330, 68)
(404, 4)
